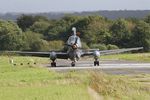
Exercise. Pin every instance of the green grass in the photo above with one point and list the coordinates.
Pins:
(36, 83)
(121, 87)
(139, 57)
(32, 82)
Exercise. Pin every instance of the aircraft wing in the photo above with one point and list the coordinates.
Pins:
(59, 55)
(107, 52)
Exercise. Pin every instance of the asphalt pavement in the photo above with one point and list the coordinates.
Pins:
(107, 66)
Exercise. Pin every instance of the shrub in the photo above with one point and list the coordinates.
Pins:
(110, 47)
(84, 45)
(40, 45)
(56, 45)
(99, 46)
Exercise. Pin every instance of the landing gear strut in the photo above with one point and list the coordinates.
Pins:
(53, 64)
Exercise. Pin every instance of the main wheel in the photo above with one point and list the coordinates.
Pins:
(73, 64)
(97, 63)
(94, 63)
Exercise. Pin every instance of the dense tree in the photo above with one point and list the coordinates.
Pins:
(147, 19)
(41, 18)
(61, 29)
(121, 32)
(25, 21)
(110, 47)
(94, 29)
(56, 45)
(31, 38)
(42, 34)
(142, 35)
(99, 46)
(40, 45)
(40, 27)
(11, 37)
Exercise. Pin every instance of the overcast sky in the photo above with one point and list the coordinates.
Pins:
(71, 5)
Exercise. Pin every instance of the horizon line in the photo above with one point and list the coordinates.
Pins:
(24, 12)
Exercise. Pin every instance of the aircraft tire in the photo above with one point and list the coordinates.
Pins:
(53, 64)
(96, 63)
(72, 64)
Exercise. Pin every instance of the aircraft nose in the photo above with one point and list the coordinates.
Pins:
(73, 29)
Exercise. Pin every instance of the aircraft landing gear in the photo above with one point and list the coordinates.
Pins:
(53, 64)
(73, 64)
(96, 62)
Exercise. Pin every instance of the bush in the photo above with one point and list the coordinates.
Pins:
(110, 47)
(84, 45)
(99, 46)
(40, 45)
(56, 45)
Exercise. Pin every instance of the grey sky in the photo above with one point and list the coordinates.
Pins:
(71, 5)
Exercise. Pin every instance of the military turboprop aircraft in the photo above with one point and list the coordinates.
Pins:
(74, 52)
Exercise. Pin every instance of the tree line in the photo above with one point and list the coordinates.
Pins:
(38, 33)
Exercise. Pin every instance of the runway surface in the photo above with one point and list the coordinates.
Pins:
(107, 66)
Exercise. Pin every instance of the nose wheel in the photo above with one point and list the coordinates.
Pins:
(53, 64)
(96, 63)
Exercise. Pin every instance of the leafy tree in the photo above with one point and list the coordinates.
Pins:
(41, 18)
(40, 27)
(25, 21)
(40, 45)
(11, 37)
(42, 34)
(110, 47)
(61, 28)
(84, 45)
(13, 42)
(31, 38)
(142, 35)
(99, 46)
(94, 29)
(121, 33)
(147, 19)
(56, 45)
